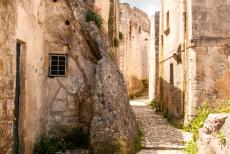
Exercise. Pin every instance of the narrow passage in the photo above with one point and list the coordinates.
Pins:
(159, 136)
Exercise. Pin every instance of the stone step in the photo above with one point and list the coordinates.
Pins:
(149, 151)
(79, 151)
(164, 147)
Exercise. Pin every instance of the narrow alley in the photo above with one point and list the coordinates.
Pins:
(159, 137)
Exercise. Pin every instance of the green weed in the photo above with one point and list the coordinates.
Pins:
(191, 147)
(138, 145)
(221, 138)
(91, 16)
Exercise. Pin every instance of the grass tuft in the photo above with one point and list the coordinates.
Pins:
(91, 16)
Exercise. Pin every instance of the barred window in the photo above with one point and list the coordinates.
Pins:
(58, 65)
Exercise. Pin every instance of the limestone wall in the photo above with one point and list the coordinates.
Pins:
(8, 13)
(154, 57)
(212, 40)
(197, 47)
(46, 104)
(171, 75)
(134, 48)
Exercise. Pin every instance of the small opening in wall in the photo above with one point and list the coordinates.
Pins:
(67, 22)
(54, 0)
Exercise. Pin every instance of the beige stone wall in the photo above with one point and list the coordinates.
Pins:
(154, 57)
(134, 48)
(171, 77)
(46, 104)
(200, 39)
(7, 72)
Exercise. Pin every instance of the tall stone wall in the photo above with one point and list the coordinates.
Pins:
(211, 38)
(134, 48)
(171, 73)
(48, 104)
(8, 21)
(195, 51)
(154, 58)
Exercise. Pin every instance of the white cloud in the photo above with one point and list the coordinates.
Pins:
(149, 6)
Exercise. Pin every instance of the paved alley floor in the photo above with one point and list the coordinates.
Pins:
(159, 136)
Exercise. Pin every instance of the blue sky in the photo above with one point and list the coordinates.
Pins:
(149, 6)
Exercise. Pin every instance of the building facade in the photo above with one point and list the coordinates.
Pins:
(134, 46)
(194, 55)
(47, 70)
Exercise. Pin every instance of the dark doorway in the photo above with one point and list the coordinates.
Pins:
(17, 99)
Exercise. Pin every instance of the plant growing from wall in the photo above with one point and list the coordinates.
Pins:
(221, 138)
(198, 121)
(92, 16)
(121, 36)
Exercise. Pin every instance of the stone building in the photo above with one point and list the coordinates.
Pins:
(51, 62)
(154, 57)
(134, 47)
(194, 55)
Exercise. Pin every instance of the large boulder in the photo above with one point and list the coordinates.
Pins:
(113, 127)
(214, 137)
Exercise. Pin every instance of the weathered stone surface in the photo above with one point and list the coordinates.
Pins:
(113, 127)
(214, 122)
(209, 142)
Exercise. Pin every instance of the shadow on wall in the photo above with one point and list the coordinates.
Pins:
(171, 100)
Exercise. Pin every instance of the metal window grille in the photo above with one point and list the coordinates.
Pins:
(58, 65)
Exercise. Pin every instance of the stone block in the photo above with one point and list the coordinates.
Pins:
(58, 106)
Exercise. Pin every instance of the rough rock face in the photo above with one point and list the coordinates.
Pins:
(113, 127)
(209, 141)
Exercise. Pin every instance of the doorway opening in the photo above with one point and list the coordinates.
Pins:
(19, 95)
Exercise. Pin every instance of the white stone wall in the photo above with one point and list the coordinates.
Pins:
(154, 57)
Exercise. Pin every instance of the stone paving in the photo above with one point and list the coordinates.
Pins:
(159, 136)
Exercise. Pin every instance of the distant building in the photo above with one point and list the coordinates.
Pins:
(134, 46)
(194, 55)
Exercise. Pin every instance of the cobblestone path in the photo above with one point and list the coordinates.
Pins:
(159, 136)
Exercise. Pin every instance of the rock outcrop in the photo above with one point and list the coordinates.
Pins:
(113, 127)
(214, 137)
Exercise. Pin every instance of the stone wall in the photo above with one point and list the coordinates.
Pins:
(8, 21)
(48, 104)
(134, 48)
(211, 38)
(196, 47)
(154, 58)
(171, 70)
